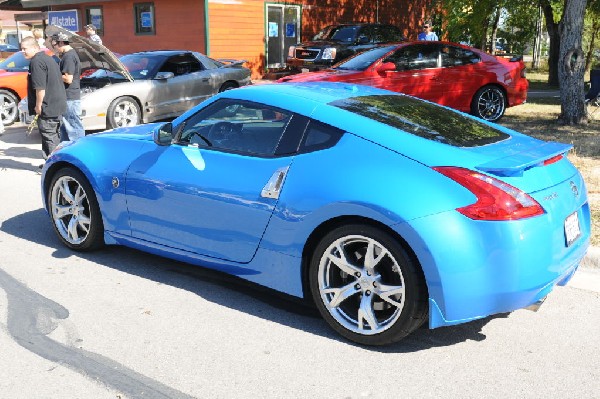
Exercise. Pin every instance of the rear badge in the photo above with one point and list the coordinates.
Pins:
(115, 182)
(574, 189)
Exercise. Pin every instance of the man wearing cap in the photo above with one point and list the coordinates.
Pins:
(71, 127)
(45, 92)
(90, 30)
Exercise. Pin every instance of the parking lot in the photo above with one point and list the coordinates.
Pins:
(118, 323)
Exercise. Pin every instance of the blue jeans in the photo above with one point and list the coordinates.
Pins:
(71, 127)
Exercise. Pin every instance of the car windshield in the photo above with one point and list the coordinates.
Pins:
(16, 62)
(344, 34)
(141, 67)
(363, 60)
(423, 119)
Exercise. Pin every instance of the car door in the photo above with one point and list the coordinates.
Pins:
(214, 190)
(417, 71)
(461, 76)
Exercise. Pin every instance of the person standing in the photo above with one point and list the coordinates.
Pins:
(39, 36)
(45, 92)
(71, 127)
(90, 30)
(428, 33)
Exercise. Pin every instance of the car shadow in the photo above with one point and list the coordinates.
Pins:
(229, 291)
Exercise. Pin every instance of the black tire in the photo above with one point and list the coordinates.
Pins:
(228, 86)
(75, 214)
(9, 111)
(123, 111)
(489, 103)
(370, 305)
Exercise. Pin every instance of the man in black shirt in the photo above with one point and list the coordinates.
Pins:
(45, 93)
(71, 125)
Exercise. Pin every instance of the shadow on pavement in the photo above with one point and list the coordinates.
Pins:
(225, 290)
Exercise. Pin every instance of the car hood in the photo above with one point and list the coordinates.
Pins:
(91, 54)
(322, 43)
(6, 74)
(139, 132)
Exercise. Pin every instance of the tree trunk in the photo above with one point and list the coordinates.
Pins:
(495, 30)
(554, 35)
(589, 58)
(537, 44)
(571, 66)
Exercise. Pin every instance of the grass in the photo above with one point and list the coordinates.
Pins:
(538, 118)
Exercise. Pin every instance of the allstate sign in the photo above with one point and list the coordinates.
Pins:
(66, 19)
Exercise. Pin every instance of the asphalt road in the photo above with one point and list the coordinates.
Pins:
(118, 323)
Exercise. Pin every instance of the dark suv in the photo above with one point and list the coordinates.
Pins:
(337, 42)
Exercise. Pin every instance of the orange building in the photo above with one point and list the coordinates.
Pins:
(258, 31)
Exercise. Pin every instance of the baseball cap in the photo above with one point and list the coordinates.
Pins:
(60, 37)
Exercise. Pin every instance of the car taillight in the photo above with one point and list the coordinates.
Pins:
(496, 200)
(552, 160)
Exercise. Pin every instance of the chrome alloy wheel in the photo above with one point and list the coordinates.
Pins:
(70, 210)
(361, 284)
(491, 104)
(126, 113)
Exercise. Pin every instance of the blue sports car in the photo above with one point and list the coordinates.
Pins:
(384, 210)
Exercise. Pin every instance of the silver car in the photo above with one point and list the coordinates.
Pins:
(146, 86)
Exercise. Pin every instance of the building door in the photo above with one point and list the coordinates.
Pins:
(282, 31)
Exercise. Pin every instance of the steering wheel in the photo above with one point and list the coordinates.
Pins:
(221, 131)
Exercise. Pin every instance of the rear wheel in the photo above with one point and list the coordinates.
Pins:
(8, 107)
(124, 111)
(74, 210)
(489, 103)
(366, 286)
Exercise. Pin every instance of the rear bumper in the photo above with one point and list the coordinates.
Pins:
(477, 269)
(517, 94)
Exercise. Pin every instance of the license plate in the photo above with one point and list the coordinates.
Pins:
(572, 229)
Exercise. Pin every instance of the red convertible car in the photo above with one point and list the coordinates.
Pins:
(450, 74)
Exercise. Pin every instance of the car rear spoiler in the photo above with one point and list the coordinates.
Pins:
(516, 164)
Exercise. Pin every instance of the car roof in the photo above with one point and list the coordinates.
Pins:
(166, 53)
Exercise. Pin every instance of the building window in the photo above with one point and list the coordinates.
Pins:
(94, 16)
(144, 19)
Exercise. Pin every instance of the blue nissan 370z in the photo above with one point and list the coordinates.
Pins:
(383, 210)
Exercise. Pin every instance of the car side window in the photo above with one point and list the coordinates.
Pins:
(456, 56)
(237, 126)
(319, 136)
(182, 64)
(415, 57)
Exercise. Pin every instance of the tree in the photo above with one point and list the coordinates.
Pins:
(571, 63)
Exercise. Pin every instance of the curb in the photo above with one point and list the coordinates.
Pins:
(591, 259)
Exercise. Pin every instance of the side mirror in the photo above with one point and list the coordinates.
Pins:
(385, 67)
(163, 135)
(164, 75)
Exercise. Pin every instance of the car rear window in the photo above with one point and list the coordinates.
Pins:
(423, 119)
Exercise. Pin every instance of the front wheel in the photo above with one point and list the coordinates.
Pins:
(489, 103)
(124, 111)
(366, 286)
(74, 210)
(8, 107)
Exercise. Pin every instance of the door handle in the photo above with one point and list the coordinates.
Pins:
(273, 187)
(205, 80)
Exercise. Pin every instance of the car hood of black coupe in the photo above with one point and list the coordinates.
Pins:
(91, 54)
